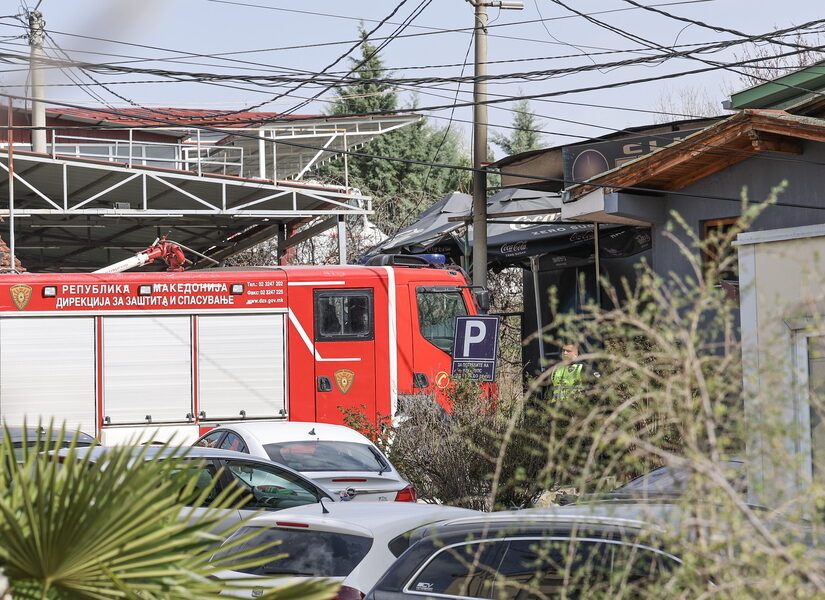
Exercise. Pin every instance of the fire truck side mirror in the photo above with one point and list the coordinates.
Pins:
(482, 299)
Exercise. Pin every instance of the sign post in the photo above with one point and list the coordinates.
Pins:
(475, 347)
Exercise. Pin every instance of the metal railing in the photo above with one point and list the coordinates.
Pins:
(196, 156)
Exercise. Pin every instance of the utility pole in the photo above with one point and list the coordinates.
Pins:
(38, 132)
(480, 137)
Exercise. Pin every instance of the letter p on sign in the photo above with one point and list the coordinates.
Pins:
(475, 333)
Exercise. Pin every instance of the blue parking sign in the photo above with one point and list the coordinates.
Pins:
(475, 347)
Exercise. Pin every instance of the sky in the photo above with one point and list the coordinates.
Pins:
(284, 36)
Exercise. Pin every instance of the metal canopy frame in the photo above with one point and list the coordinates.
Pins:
(78, 214)
(265, 158)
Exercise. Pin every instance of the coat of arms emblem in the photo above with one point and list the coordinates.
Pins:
(20, 295)
(344, 379)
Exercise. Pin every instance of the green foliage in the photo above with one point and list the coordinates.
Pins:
(454, 457)
(380, 432)
(669, 392)
(78, 530)
(526, 133)
(400, 191)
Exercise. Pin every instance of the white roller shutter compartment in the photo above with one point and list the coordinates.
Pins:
(241, 365)
(147, 369)
(47, 370)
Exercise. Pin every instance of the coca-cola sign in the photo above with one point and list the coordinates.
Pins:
(514, 248)
(525, 221)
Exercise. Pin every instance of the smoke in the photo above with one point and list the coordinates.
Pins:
(117, 19)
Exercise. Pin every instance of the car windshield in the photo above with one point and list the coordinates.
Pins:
(437, 310)
(322, 553)
(326, 456)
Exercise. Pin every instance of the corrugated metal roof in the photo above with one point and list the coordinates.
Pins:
(136, 117)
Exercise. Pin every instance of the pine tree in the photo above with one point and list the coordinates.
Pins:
(525, 135)
(400, 190)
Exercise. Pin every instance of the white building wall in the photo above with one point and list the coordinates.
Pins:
(782, 291)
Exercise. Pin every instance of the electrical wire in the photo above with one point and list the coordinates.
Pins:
(526, 75)
(424, 163)
(655, 46)
(611, 85)
(240, 134)
(332, 64)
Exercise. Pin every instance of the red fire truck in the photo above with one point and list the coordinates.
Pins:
(162, 354)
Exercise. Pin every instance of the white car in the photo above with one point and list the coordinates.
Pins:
(339, 458)
(352, 543)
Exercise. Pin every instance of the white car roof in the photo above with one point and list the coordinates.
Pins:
(268, 432)
(382, 520)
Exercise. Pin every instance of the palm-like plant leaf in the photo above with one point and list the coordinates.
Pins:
(74, 529)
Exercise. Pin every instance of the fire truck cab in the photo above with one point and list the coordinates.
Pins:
(158, 355)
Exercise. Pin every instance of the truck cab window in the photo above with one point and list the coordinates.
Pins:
(437, 310)
(343, 315)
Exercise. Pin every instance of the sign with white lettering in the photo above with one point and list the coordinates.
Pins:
(142, 292)
(475, 347)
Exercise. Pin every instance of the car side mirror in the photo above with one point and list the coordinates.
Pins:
(482, 299)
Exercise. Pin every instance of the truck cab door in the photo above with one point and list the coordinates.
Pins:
(434, 310)
(344, 332)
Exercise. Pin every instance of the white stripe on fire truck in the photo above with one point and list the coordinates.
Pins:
(310, 346)
(393, 333)
(318, 283)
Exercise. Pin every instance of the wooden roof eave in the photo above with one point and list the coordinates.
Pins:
(708, 151)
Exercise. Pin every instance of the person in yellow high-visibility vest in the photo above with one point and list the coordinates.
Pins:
(566, 379)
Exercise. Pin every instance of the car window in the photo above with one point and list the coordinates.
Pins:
(270, 487)
(343, 315)
(322, 554)
(205, 472)
(437, 310)
(210, 440)
(530, 569)
(233, 441)
(326, 456)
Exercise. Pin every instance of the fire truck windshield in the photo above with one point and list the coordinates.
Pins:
(437, 309)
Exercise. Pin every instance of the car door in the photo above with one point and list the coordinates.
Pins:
(268, 487)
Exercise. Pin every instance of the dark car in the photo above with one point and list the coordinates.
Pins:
(44, 439)
(665, 483)
(672, 481)
(568, 552)
(270, 486)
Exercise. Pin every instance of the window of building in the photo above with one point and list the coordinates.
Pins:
(712, 230)
(816, 396)
(343, 315)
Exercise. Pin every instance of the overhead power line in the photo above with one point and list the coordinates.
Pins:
(317, 79)
(242, 134)
(330, 65)
(556, 93)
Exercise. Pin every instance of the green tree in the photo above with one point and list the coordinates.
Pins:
(526, 132)
(400, 190)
